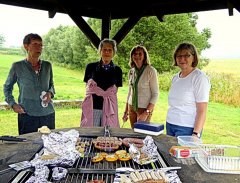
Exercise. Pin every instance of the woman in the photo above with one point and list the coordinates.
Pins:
(188, 96)
(100, 106)
(143, 87)
(34, 78)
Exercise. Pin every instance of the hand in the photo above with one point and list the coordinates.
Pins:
(125, 117)
(18, 109)
(47, 97)
(143, 116)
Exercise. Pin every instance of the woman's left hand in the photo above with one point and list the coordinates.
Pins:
(47, 97)
(143, 116)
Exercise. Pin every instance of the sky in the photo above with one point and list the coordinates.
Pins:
(16, 22)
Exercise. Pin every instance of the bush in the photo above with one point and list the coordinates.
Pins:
(225, 88)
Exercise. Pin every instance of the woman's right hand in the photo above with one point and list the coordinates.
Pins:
(18, 109)
(125, 117)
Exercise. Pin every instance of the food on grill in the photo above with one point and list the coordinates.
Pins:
(80, 149)
(138, 142)
(121, 152)
(97, 158)
(111, 157)
(103, 154)
(44, 130)
(125, 179)
(81, 143)
(107, 143)
(146, 176)
(96, 181)
(124, 157)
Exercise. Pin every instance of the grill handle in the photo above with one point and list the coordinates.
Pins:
(106, 131)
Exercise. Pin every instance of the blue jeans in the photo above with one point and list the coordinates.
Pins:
(175, 130)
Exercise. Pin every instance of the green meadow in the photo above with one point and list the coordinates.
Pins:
(222, 125)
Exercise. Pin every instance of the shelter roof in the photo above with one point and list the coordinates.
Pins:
(108, 10)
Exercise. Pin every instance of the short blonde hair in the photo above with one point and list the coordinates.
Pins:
(191, 48)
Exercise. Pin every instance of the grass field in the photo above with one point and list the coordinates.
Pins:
(222, 124)
(226, 66)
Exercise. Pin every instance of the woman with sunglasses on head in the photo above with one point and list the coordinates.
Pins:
(188, 96)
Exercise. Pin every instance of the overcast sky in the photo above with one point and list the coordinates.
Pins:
(16, 22)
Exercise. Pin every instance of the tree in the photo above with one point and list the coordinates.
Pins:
(68, 45)
(2, 40)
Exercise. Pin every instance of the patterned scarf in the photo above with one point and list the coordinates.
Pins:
(135, 87)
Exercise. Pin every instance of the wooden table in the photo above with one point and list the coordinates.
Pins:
(191, 172)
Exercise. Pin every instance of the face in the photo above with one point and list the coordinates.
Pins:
(34, 49)
(107, 53)
(184, 59)
(138, 57)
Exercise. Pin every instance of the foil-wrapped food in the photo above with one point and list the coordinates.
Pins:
(146, 154)
(59, 151)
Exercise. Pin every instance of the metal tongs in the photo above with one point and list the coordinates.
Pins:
(12, 138)
(107, 134)
(106, 131)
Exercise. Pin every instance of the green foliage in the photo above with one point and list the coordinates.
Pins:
(12, 51)
(69, 46)
(225, 88)
(2, 40)
(65, 45)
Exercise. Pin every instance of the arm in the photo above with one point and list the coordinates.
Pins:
(154, 87)
(8, 86)
(8, 89)
(201, 116)
(51, 90)
(125, 115)
(202, 96)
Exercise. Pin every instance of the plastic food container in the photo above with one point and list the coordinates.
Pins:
(189, 141)
(219, 158)
(148, 128)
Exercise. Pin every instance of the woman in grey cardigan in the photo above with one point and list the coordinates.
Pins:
(143, 87)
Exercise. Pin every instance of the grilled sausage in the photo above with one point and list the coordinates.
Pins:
(138, 142)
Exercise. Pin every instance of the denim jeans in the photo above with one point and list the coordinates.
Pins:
(175, 130)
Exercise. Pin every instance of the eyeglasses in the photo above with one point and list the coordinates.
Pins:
(183, 56)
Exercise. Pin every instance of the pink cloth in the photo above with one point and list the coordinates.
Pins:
(110, 105)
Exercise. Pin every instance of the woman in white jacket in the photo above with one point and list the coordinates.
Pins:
(143, 87)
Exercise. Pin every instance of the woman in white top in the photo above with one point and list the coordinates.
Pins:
(143, 87)
(188, 96)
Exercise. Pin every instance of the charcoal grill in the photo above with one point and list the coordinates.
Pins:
(85, 170)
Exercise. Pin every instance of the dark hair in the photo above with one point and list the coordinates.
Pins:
(146, 60)
(191, 48)
(29, 37)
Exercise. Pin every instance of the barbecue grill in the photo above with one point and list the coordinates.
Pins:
(18, 152)
(84, 170)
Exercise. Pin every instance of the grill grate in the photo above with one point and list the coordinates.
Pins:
(84, 170)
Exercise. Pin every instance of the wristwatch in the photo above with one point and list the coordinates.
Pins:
(148, 111)
(197, 134)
